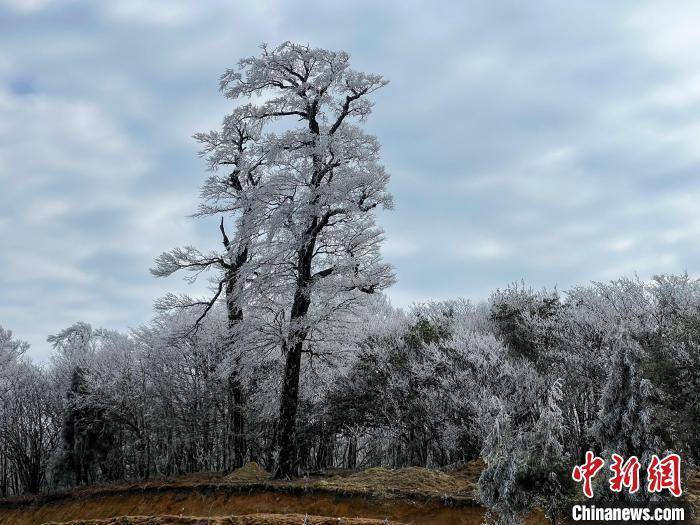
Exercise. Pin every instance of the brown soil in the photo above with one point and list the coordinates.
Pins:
(412, 496)
(211, 502)
(251, 519)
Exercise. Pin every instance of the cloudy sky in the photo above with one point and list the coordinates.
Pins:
(555, 142)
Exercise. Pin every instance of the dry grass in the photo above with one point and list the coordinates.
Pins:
(471, 471)
(250, 519)
(402, 482)
(248, 473)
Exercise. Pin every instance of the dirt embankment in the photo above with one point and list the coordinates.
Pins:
(248, 496)
(220, 503)
(252, 519)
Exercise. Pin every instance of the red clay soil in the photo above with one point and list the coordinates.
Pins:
(251, 519)
(194, 502)
(221, 501)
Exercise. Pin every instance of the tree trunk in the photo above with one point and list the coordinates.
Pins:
(351, 461)
(235, 440)
(292, 347)
(236, 425)
(324, 454)
(288, 413)
(294, 344)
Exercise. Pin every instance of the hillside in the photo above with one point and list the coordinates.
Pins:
(418, 496)
(248, 496)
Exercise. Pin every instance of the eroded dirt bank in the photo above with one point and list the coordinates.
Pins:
(249, 519)
(212, 503)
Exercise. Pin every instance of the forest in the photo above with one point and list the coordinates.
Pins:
(298, 361)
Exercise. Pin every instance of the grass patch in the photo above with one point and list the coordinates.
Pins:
(404, 481)
(248, 473)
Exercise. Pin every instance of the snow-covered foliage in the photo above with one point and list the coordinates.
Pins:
(29, 420)
(298, 180)
(528, 381)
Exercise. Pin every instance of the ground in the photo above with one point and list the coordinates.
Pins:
(248, 496)
(251, 519)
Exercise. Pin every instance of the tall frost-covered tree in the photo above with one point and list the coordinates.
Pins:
(324, 182)
(300, 181)
(235, 157)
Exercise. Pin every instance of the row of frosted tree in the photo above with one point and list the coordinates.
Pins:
(297, 361)
(529, 381)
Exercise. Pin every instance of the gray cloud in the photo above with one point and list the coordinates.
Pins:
(552, 143)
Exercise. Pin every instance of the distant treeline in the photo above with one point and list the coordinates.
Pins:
(529, 381)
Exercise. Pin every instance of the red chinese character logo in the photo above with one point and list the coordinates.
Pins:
(587, 471)
(625, 474)
(665, 474)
